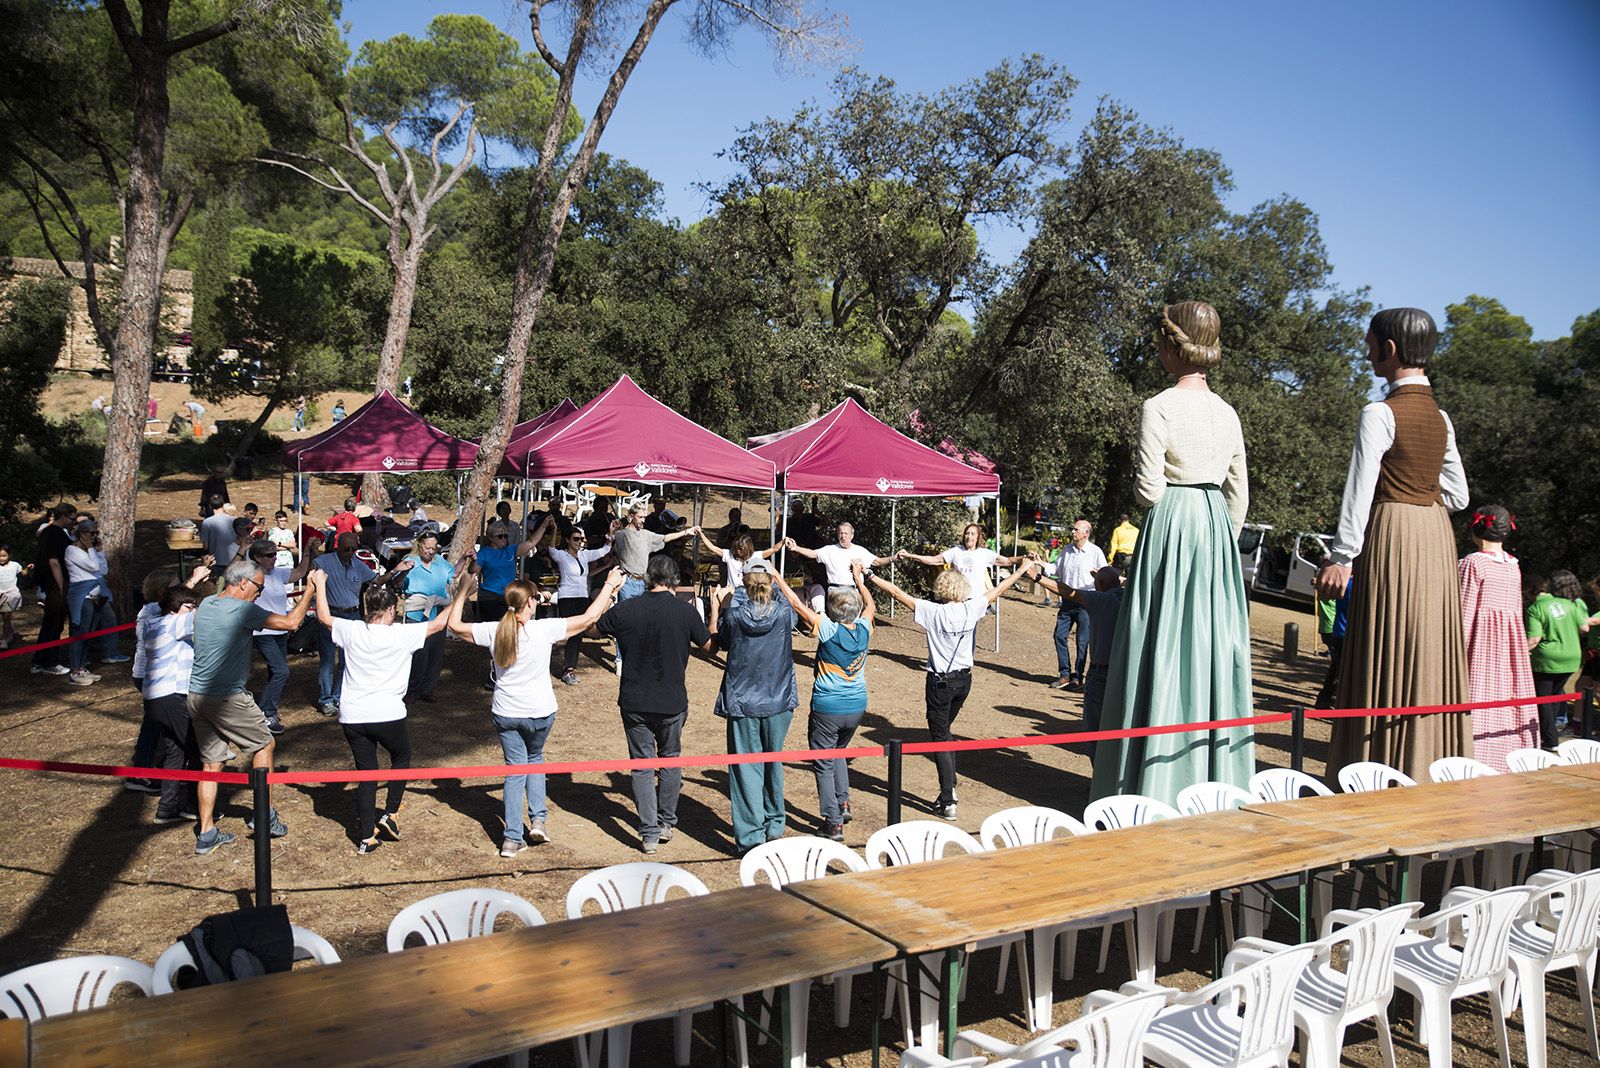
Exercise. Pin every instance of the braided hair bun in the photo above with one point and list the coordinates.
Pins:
(1192, 330)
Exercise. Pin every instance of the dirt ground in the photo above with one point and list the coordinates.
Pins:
(84, 870)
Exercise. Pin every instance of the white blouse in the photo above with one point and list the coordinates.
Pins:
(1189, 437)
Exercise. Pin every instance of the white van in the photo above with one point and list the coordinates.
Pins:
(1287, 571)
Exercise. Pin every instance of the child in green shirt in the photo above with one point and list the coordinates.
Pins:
(1556, 622)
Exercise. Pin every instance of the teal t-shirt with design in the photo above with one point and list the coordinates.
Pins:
(1555, 621)
(840, 688)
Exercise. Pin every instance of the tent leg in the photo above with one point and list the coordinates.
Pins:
(894, 507)
(997, 600)
(280, 488)
(783, 554)
(694, 554)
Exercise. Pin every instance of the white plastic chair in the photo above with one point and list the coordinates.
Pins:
(1111, 1037)
(1520, 760)
(1501, 859)
(1243, 1020)
(1556, 930)
(1365, 776)
(795, 859)
(308, 945)
(58, 987)
(921, 841)
(1329, 999)
(457, 914)
(1456, 952)
(631, 886)
(1203, 797)
(1282, 784)
(1032, 825)
(1579, 751)
(1153, 924)
(1285, 784)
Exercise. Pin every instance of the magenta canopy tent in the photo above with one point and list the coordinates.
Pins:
(626, 435)
(850, 451)
(383, 436)
(537, 423)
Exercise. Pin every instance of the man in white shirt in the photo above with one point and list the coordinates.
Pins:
(1075, 569)
(836, 558)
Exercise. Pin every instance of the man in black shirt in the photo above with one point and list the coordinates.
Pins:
(50, 569)
(657, 630)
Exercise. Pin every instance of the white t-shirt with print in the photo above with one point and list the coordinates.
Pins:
(836, 558)
(973, 563)
(522, 691)
(377, 668)
(283, 538)
(949, 628)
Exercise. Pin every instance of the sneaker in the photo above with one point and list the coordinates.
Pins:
(179, 818)
(274, 725)
(82, 678)
(210, 841)
(425, 698)
(665, 836)
(388, 827)
(369, 846)
(141, 786)
(510, 847)
(328, 708)
(844, 813)
(1061, 684)
(115, 658)
(570, 678)
(277, 829)
(53, 669)
(648, 847)
(945, 812)
(834, 832)
(536, 833)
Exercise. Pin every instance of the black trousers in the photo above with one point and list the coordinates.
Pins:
(55, 617)
(426, 663)
(945, 695)
(364, 739)
(175, 749)
(1330, 681)
(1546, 684)
(566, 608)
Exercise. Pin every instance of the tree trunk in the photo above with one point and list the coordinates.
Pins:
(138, 310)
(534, 271)
(249, 438)
(406, 268)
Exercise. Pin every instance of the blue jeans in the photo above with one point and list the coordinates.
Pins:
(522, 741)
(91, 617)
(299, 420)
(631, 588)
(275, 651)
(330, 660)
(302, 492)
(1069, 615)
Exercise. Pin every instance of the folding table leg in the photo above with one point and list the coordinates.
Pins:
(950, 982)
(877, 1012)
(1144, 943)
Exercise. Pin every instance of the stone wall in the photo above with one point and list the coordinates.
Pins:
(81, 351)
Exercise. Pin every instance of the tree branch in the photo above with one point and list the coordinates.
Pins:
(354, 146)
(454, 176)
(201, 36)
(127, 33)
(545, 54)
(88, 283)
(344, 185)
(433, 152)
(408, 188)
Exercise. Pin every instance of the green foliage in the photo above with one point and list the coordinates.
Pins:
(1523, 413)
(921, 524)
(213, 270)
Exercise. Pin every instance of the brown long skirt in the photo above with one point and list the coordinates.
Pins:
(1404, 645)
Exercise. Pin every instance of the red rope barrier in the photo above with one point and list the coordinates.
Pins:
(36, 646)
(234, 777)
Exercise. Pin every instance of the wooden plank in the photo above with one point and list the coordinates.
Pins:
(13, 1043)
(1431, 817)
(965, 899)
(1589, 772)
(475, 999)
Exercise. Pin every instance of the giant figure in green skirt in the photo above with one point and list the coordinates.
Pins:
(1182, 647)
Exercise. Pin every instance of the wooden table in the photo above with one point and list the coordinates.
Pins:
(1591, 772)
(963, 900)
(475, 999)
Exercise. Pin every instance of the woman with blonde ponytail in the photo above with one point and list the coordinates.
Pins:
(1181, 652)
(524, 707)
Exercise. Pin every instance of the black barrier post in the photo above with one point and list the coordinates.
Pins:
(1297, 743)
(893, 752)
(262, 801)
(1586, 710)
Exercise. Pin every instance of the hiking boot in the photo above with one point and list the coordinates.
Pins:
(570, 678)
(328, 708)
(648, 847)
(210, 841)
(276, 828)
(665, 836)
(844, 813)
(834, 832)
(388, 827)
(536, 833)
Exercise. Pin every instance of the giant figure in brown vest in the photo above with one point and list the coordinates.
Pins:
(1404, 645)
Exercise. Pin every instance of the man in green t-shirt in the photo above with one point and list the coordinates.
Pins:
(1556, 621)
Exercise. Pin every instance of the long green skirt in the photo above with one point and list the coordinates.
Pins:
(1181, 655)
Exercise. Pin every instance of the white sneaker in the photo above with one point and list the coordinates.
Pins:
(82, 678)
(53, 669)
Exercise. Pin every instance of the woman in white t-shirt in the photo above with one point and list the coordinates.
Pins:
(972, 558)
(736, 557)
(10, 594)
(167, 642)
(572, 594)
(949, 620)
(372, 708)
(524, 707)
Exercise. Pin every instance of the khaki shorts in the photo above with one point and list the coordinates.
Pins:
(224, 722)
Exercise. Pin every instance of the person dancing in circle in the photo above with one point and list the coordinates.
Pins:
(1182, 647)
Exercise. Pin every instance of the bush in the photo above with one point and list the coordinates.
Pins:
(922, 524)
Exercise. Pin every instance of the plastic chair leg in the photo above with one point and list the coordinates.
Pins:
(1385, 1040)
(1531, 979)
(799, 995)
(1068, 948)
(1498, 1005)
(1042, 953)
(842, 985)
(1145, 923)
(1585, 975)
(620, 1041)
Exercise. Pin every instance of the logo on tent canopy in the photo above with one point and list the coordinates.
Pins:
(390, 462)
(644, 469)
(886, 484)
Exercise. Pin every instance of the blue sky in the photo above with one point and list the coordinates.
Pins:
(1446, 147)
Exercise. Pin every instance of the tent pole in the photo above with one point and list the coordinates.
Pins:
(783, 554)
(997, 600)
(694, 554)
(280, 487)
(894, 506)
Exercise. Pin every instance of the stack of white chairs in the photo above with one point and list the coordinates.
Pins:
(1110, 1037)
(1032, 825)
(1153, 924)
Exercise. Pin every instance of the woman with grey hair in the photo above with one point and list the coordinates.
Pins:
(839, 694)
